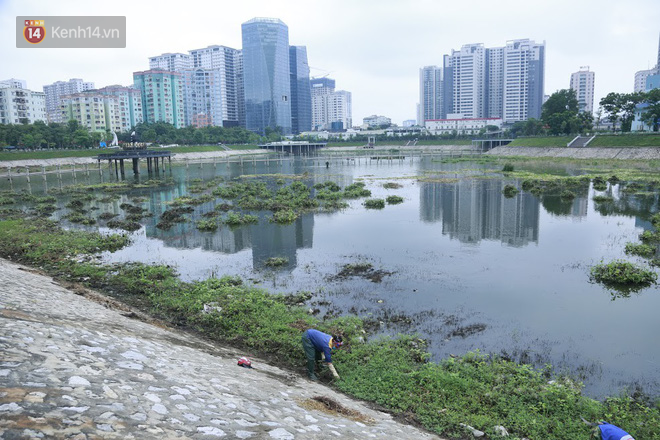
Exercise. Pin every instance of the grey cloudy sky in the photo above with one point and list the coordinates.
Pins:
(372, 48)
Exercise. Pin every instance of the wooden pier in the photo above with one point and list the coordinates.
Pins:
(155, 159)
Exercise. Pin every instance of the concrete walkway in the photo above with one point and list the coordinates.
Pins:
(73, 368)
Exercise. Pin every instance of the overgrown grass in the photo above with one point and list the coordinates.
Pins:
(475, 389)
(553, 141)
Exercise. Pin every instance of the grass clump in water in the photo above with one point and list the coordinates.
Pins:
(641, 249)
(207, 225)
(394, 200)
(623, 273)
(277, 261)
(602, 199)
(509, 191)
(374, 203)
(392, 185)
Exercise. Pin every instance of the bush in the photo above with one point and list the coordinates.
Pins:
(207, 225)
(602, 199)
(508, 168)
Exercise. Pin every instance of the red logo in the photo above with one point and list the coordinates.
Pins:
(34, 31)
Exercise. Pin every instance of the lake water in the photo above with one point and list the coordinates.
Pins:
(470, 269)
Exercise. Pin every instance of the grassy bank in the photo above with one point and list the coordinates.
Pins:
(475, 389)
(399, 143)
(601, 140)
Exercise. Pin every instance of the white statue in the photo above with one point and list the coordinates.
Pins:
(115, 141)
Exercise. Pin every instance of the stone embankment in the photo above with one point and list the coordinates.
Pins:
(73, 368)
(627, 153)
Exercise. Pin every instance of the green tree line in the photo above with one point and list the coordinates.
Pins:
(561, 116)
(73, 135)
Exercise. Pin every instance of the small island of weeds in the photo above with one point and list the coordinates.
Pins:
(374, 203)
(394, 200)
(276, 262)
(509, 191)
(623, 273)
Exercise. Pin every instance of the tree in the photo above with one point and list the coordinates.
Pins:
(621, 106)
(651, 114)
(561, 113)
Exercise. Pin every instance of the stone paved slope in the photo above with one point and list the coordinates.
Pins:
(78, 369)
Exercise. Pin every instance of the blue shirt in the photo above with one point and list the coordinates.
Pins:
(611, 432)
(321, 342)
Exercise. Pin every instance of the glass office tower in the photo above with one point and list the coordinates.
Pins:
(301, 97)
(266, 75)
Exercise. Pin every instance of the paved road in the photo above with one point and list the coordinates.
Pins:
(80, 369)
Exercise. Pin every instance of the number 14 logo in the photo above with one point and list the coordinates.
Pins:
(34, 31)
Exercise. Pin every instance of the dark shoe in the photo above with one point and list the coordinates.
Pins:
(313, 377)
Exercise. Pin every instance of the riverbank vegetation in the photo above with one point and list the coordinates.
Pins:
(482, 391)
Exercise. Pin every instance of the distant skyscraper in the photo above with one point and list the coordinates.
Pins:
(431, 94)
(583, 84)
(301, 99)
(162, 96)
(55, 91)
(266, 75)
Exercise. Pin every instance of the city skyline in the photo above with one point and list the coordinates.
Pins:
(373, 49)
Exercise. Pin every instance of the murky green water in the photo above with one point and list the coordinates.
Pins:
(471, 269)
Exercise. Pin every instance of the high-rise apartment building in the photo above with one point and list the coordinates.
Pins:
(494, 82)
(430, 94)
(582, 82)
(301, 98)
(223, 70)
(467, 68)
(112, 108)
(524, 76)
(55, 91)
(19, 105)
(331, 110)
(477, 82)
(203, 101)
(266, 75)
(162, 96)
(173, 62)
(126, 108)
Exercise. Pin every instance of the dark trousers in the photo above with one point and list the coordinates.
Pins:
(313, 355)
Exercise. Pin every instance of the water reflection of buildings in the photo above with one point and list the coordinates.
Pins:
(474, 210)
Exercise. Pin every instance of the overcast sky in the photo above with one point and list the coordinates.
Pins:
(372, 48)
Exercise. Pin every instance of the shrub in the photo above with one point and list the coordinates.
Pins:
(623, 273)
(374, 203)
(508, 168)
